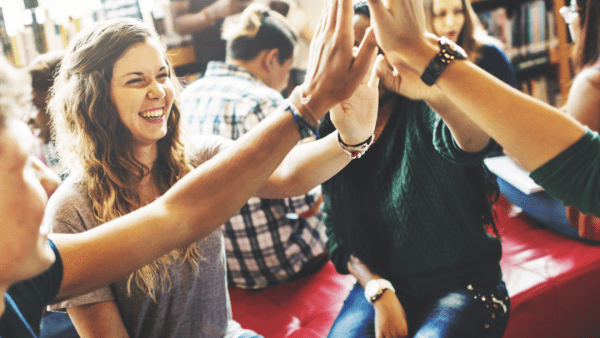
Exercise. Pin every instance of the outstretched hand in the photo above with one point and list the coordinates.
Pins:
(404, 80)
(355, 117)
(334, 72)
(399, 26)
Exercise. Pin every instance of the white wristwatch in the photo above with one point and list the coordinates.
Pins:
(375, 288)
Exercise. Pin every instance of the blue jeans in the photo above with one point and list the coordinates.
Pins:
(432, 312)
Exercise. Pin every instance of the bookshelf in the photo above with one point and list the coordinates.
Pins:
(536, 41)
(45, 25)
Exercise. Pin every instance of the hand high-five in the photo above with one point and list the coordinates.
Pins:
(334, 73)
(400, 29)
(355, 117)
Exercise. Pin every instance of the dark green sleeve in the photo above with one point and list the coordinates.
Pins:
(573, 176)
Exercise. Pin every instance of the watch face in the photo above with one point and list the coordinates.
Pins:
(371, 288)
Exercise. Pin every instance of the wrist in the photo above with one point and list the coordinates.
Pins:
(305, 104)
(314, 100)
(356, 150)
(375, 289)
(418, 56)
(383, 302)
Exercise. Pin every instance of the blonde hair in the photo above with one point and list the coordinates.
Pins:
(472, 36)
(258, 28)
(92, 140)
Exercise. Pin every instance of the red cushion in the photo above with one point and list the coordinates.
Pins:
(553, 281)
(304, 308)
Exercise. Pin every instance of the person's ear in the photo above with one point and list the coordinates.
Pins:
(272, 56)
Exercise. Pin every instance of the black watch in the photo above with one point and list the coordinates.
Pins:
(449, 51)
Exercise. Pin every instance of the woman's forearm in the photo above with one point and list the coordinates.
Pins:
(305, 167)
(530, 130)
(193, 208)
(209, 195)
(467, 134)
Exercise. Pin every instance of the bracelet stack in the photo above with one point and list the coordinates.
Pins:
(305, 128)
(357, 150)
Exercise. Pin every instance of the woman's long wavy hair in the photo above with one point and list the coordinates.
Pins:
(93, 141)
(472, 36)
(587, 49)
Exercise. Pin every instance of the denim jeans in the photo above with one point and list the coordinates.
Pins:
(432, 312)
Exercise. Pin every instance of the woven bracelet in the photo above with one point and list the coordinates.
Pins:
(358, 150)
(305, 128)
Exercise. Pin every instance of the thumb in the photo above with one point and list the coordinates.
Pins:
(366, 52)
(386, 74)
(374, 79)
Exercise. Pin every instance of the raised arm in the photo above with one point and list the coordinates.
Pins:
(530, 130)
(185, 22)
(208, 196)
(311, 164)
(468, 135)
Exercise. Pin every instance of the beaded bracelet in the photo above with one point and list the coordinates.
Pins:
(305, 128)
(357, 150)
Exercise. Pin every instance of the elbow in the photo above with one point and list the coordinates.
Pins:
(475, 144)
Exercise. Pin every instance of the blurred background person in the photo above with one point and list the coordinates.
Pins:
(269, 241)
(204, 19)
(42, 71)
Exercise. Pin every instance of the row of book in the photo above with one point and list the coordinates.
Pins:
(41, 31)
(542, 87)
(528, 29)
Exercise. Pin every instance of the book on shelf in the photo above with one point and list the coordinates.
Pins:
(525, 31)
(541, 87)
(5, 43)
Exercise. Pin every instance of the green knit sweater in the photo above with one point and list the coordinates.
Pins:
(404, 208)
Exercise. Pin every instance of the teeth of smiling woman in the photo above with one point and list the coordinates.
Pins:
(152, 114)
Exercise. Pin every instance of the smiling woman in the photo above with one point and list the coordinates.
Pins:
(112, 174)
(123, 144)
(117, 124)
(143, 93)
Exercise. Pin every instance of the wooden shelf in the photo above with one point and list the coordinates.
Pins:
(181, 56)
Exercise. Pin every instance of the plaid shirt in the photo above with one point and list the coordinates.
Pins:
(266, 241)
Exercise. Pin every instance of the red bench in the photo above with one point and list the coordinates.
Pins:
(554, 283)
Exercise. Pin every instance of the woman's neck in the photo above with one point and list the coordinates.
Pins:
(147, 154)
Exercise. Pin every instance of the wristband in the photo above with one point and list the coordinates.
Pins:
(357, 150)
(304, 128)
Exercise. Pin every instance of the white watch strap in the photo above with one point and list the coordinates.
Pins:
(385, 284)
(382, 285)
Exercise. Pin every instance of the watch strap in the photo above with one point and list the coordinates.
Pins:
(449, 51)
(384, 284)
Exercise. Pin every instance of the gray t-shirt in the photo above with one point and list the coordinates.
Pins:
(195, 305)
